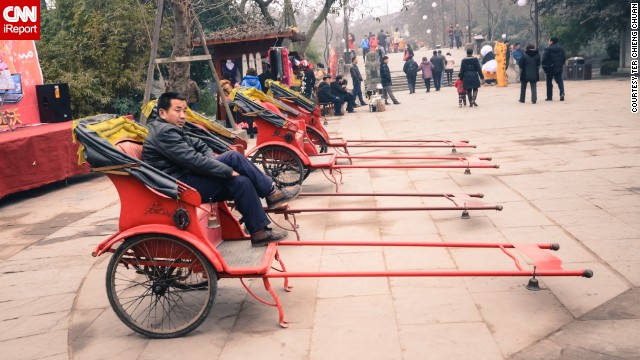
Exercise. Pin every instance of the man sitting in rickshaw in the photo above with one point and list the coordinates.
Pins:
(229, 176)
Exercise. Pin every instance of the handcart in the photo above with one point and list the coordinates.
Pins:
(171, 250)
(317, 134)
(284, 151)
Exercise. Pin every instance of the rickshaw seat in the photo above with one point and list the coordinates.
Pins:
(130, 147)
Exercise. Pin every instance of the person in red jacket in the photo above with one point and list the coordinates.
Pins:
(462, 93)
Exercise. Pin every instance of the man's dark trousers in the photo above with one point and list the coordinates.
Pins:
(437, 79)
(558, 77)
(246, 190)
(348, 98)
(357, 92)
(411, 81)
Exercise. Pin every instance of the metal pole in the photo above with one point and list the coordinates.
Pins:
(213, 71)
(345, 14)
(152, 57)
(536, 24)
(469, 16)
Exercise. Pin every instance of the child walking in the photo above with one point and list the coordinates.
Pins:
(462, 93)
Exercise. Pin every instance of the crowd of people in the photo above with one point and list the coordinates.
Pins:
(318, 85)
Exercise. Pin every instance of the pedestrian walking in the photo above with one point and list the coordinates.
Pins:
(364, 44)
(385, 80)
(462, 93)
(450, 63)
(517, 55)
(438, 66)
(410, 69)
(471, 74)
(552, 62)
(427, 72)
(457, 33)
(529, 72)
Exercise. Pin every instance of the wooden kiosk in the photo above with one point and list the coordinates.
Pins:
(246, 46)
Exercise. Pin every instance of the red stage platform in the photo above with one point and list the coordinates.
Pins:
(36, 155)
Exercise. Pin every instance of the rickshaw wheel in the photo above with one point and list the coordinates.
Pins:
(160, 286)
(317, 140)
(283, 165)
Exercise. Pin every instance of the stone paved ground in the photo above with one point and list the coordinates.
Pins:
(568, 174)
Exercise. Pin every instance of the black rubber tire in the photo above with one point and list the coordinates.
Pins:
(281, 164)
(153, 296)
(317, 140)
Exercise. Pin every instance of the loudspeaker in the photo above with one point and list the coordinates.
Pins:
(54, 103)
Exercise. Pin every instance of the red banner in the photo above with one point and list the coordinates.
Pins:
(19, 74)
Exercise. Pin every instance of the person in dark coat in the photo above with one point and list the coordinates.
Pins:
(471, 74)
(356, 78)
(228, 176)
(552, 62)
(410, 69)
(529, 66)
(339, 89)
(385, 81)
(326, 95)
(309, 83)
(438, 68)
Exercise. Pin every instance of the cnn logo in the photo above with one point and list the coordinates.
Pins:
(15, 14)
(20, 20)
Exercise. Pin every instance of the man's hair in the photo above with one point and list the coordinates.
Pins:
(353, 59)
(553, 39)
(338, 77)
(385, 58)
(439, 51)
(530, 47)
(435, 52)
(469, 51)
(164, 101)
(517, 44)
(252, 72)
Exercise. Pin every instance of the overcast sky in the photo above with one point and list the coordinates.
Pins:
(380, 6)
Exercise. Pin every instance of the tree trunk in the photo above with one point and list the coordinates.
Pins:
(179, 72)
(300, 47)
(264, 9)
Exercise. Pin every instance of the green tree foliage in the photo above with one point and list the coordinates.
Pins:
(572, 33)
(99, 47)
(596, 16)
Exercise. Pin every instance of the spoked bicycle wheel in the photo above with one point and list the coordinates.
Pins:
(317, 140)
(283, 165)
(160, 286)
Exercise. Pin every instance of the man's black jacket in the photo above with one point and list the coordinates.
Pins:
(168, 149)
(325, 94)
(337, 88)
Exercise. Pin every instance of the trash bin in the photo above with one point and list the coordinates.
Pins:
(479, 39)
(577, 60)
(576, 69)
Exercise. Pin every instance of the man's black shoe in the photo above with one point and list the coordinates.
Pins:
(351, 111)
(280, 196)
(396, 103)
(561, 97)
(548, 99)
(266, 236)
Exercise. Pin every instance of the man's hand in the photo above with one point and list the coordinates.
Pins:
(234, 173)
